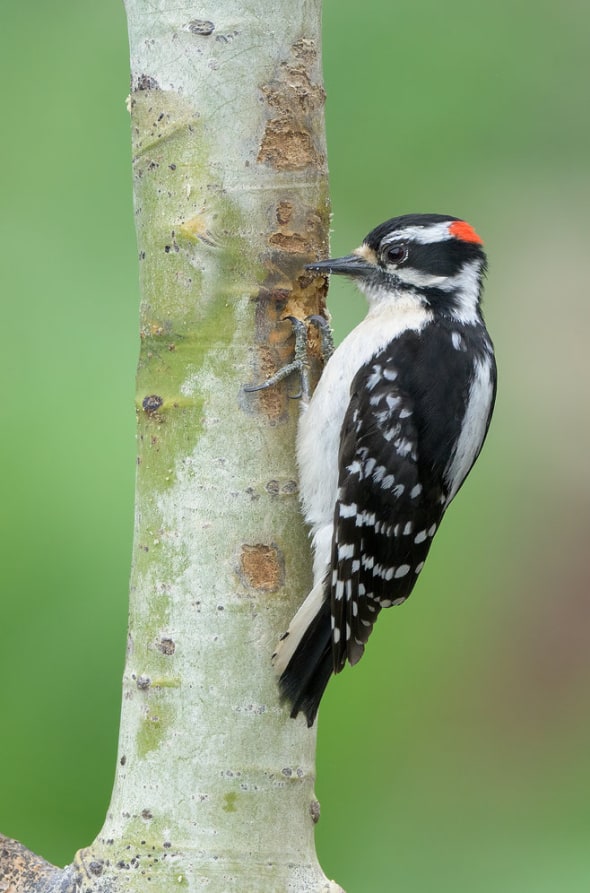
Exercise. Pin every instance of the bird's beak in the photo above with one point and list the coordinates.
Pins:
(350, 265)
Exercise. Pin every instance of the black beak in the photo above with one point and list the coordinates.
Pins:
(350, 265)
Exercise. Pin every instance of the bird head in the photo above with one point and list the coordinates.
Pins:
(433, 259)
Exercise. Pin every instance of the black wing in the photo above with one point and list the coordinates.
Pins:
(391, 499)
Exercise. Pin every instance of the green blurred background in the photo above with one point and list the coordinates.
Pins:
(456, 756)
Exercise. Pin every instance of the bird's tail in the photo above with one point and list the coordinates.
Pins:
(303, 659)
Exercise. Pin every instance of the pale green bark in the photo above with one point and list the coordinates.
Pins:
(211, 772)
(215, 784)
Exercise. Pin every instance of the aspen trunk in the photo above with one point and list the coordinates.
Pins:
(215, 784)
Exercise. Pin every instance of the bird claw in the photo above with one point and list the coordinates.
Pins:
(327, 338)
(300, 361)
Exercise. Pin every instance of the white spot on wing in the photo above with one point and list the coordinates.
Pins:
(390, 433)
(403, 446)
(375, 377)
(457, 339)
(354, 467)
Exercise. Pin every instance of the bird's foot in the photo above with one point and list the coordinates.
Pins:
(300, 361)
(327, 338)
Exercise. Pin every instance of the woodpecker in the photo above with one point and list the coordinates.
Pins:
(394, 426)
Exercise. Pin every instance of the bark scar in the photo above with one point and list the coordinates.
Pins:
(262, 567)
(293, 99)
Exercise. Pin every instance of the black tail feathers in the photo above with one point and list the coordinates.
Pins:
(308, 672)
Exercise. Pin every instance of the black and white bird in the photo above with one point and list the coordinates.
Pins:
(394, 426)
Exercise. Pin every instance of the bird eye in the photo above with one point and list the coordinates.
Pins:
(396, 254)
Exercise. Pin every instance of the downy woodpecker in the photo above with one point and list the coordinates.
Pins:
(396, 422)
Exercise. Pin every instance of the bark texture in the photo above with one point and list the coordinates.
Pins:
(215, 784)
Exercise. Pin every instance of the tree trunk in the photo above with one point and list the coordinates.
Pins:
(214, 785)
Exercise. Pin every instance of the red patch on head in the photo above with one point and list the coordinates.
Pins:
(464, 231)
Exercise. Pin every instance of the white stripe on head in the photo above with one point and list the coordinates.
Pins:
(423, 235)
